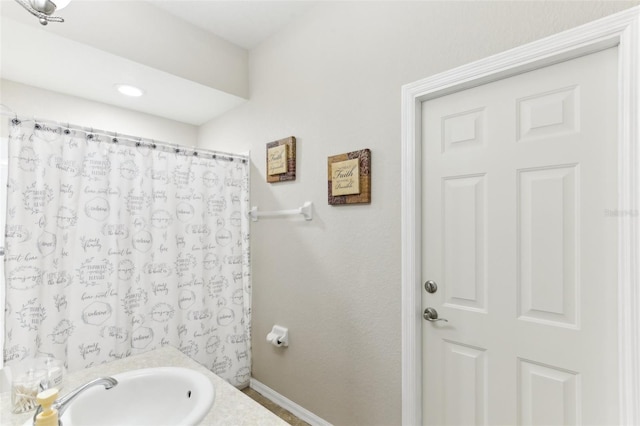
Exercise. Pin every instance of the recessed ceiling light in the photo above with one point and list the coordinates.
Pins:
(129, 90)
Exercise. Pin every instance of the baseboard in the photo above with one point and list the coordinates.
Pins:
(287, 404)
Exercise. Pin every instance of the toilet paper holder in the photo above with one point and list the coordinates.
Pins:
(279, 336)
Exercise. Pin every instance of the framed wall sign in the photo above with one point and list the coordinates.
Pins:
(281, 160)
(349, 178)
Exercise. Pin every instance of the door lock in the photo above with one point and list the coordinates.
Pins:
(431, 286)
(431, 315)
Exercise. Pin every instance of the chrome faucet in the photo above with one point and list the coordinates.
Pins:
(63, 402)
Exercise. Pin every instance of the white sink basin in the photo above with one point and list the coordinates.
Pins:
(152, 396)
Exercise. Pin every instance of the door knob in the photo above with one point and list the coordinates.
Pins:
(431, 314)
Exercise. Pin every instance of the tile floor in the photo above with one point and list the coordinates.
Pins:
(274, 408)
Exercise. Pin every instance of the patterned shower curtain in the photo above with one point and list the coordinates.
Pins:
(115, 248)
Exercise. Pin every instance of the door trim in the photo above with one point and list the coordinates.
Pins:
(622, 30)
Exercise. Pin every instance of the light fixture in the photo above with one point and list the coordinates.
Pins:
(129, 90)
(61, 4)
(43, 9)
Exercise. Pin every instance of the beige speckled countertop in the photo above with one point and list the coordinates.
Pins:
(230, 407)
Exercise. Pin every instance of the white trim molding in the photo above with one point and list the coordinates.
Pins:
(621, 30)
(287, 404)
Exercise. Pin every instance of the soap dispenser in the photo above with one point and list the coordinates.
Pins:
(48, 416)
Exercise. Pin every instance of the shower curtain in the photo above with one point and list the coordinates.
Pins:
(115, 248)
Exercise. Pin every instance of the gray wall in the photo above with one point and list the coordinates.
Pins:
(333, 80)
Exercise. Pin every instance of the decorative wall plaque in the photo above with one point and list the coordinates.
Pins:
(345, 177)
(277, 160)
(281, 160)
(350, 178)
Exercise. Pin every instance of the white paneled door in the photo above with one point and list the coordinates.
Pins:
(520, 239)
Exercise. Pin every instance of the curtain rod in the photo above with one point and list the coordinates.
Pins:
(133, 140)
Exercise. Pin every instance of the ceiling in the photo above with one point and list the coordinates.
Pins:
(81, 57)
(243, 23)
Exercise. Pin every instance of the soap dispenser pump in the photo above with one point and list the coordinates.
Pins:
(49, 415)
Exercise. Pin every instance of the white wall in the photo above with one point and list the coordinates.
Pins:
(333, 80)
(29, 101)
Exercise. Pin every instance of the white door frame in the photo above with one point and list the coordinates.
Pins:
(621, 30)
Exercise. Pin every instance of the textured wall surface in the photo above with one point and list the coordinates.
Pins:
(332, 79)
